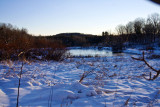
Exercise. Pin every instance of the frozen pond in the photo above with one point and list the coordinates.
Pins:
(92, 52)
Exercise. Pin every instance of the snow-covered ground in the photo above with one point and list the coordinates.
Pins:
(111, 81)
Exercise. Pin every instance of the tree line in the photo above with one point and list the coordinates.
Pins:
(139, 31)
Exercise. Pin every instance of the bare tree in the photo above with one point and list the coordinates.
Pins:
(138, 25)
(121, 29)
(129, 28)
(149, 28)
(154, 19)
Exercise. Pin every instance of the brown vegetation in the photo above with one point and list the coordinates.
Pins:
(14, 40)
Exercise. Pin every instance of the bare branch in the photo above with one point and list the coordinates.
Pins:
(157, 71)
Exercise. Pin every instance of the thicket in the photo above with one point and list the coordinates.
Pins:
(13, 41)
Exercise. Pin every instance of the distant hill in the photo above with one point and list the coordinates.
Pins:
(77, 39)
(73, 34)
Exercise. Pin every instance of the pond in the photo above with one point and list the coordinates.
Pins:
(92, 52)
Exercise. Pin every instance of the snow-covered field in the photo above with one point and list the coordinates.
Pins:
(111, 81)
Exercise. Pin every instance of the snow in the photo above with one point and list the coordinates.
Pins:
(4, 100)
(139, 51)
(113, 81)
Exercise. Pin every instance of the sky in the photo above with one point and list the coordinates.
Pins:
(50, 17)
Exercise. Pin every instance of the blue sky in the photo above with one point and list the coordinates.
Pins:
(49, 17)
